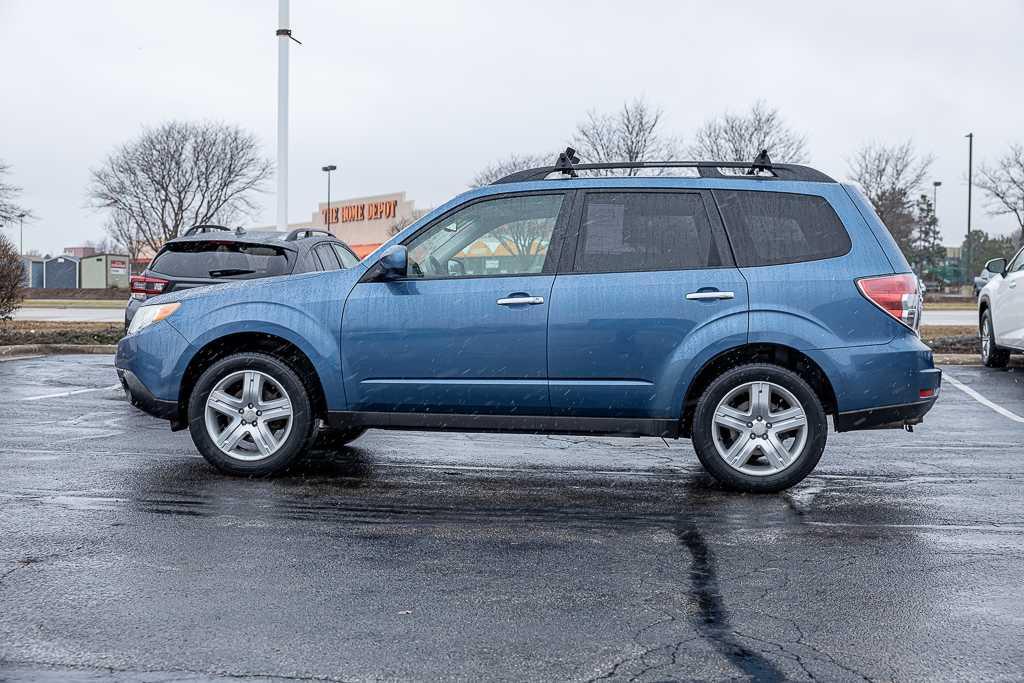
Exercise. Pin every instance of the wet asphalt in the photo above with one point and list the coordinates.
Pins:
(123, 556)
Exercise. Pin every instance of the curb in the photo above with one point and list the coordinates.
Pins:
(39, 349)
(957, 359)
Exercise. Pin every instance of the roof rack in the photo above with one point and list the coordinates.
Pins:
(302, 233)
(205, 228)
(762, 168)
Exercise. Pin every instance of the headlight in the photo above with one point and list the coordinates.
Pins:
(147, 315)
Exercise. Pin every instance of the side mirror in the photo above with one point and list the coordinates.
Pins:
(996, 266)
(394, 263)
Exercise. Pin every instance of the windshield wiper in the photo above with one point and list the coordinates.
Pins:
(228, 272)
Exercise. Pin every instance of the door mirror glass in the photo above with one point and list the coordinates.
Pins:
(455, 268)
(996, 266)
(394, 263)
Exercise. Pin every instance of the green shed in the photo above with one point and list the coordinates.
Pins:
(103, 271)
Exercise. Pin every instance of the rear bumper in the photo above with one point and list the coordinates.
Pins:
(889, 417)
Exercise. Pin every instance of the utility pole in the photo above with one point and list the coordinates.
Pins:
(327, 169)
(970, 183)
(284, 34)
(21, 233)
(935, 195)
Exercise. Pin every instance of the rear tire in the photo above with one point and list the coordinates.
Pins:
(991, 355)
(759, 428)
(259, 419)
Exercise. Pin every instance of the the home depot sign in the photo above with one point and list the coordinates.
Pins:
(367, 211)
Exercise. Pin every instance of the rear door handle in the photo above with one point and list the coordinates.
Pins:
(518, 300)
(702, 296)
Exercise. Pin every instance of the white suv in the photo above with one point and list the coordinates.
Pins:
(1001, 311)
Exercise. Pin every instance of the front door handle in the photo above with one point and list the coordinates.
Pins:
(518, 300)
(703, 296)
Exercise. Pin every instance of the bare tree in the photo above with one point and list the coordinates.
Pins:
(891, 177)
(509, 165)
(178, 175)
(740, 137)
(632, 134)
(12, 274)
(1004, 184)
(125, 234)
(10, 212)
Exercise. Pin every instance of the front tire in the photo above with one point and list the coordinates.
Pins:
(250, 414)
(991, 355)
(759, 428)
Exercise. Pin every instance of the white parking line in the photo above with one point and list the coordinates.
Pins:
(946, 377)
(71, 393)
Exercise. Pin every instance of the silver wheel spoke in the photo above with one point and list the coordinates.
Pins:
(731, 418)
(229, 438)
(776, 453)
(275, 410)
(264, 439)
(225, 403)
(760, 395)
(253, 388)
(785, 420)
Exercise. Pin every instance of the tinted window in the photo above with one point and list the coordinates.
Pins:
(506, 236)
(221, 260)
(630, 231)
(327, 258)
(769, 228)
(347, 258)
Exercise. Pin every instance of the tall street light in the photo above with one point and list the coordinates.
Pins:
(21, 233)
(935, 194)
(327, 169)
(970, 182)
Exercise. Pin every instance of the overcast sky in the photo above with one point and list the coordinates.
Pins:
(418, 96)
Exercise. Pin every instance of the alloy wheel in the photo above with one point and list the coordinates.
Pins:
(759, 428)
(248, 415)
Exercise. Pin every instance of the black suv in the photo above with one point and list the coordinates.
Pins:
(213, 254)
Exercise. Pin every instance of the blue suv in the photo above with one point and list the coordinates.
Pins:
(739, 306)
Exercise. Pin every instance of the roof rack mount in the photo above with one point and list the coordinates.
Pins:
(762, 168)
(306, 232)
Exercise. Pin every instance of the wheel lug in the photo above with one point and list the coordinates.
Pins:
(749, 424)
(753, 436)
(241, 410)
(250, 405)
(769, 425)
(260, 412)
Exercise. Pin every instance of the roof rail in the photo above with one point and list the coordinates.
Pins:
(205, 228)
(762, 168)
(302, 233)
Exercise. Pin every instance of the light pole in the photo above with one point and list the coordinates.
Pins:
(970, 182)
(935, 194)
(21, 233)
(327, 169)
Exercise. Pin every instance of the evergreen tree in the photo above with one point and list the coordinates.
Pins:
(926, 250)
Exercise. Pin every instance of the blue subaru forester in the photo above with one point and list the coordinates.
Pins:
(737, 306)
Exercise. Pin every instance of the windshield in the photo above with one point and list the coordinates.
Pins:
(222, 260)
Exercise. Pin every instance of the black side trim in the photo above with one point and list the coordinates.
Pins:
(528, 424)
(143, 399)
(890, 417)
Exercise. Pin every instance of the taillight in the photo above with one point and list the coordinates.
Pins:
(144, 286)
(897, 295)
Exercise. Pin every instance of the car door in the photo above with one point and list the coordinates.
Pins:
(650, 287)
(466, 331)
(1008, 305)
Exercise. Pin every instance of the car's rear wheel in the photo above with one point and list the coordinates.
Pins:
(250, 414)
(992, 356)
(759, 428)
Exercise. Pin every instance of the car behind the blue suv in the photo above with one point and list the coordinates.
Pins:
(739, 307)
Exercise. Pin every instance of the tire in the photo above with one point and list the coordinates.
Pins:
(755, 444)
(258, 446)
(991, 355)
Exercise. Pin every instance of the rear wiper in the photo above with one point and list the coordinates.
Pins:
(228, 272)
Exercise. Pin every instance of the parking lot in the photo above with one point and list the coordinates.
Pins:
(411, 555)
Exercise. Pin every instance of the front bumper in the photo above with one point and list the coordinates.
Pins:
(143, 399)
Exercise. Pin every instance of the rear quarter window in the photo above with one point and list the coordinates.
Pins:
(228, 260)
(773, 228)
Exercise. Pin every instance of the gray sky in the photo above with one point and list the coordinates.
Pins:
(417, 96)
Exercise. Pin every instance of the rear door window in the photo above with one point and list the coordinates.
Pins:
(638, 231)
(347, 258)
(214, 259)
(328, 260)
(772, 228)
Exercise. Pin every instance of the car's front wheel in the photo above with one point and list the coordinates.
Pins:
(992, 355)
(759, 428)
(250, 414)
